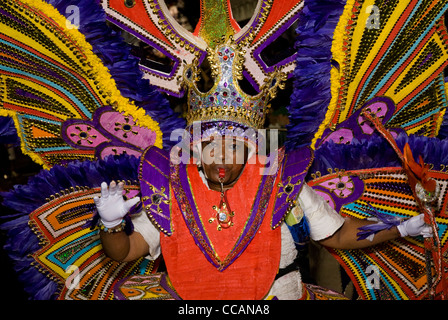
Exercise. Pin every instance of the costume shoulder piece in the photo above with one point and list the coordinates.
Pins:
(295, 167)
(154, 176)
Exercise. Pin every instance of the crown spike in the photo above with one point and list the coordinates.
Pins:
(216, 21)
(226, 101)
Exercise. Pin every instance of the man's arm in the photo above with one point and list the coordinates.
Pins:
(112, 208)
(330, 229)
(346, 237)
(121, 247)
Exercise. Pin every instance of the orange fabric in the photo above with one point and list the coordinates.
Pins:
(251, 275)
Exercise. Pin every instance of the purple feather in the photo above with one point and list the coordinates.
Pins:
(8, 133)
(311, 89)
(385, 221)
(376, 152)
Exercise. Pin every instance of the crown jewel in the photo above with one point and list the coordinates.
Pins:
(226, 101)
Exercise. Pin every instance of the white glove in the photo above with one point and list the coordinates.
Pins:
(415, 226)
(111, 205)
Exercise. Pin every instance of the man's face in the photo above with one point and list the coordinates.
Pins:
(223, 153)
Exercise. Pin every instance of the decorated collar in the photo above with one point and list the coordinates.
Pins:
(184, 196)
(154, 179)
(294, 169)
(154, 175)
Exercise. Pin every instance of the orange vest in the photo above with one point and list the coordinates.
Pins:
(251, 275)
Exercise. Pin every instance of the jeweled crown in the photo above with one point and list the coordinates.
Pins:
(226, 101)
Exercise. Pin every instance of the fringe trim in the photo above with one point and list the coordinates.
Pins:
(312, 90)
(339, 56)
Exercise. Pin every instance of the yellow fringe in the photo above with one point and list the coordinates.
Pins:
(101, 73)
(442, 111)
(35, 157)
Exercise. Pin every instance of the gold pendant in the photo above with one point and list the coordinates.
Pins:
(224, 216)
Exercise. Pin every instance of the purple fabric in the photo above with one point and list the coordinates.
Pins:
(295, 168)
(155, 174)
(385, 222)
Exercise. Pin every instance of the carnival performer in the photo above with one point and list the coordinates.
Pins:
(228, 195)
(227, 218)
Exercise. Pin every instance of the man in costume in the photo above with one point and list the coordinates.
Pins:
(83, 107)
(226, 237)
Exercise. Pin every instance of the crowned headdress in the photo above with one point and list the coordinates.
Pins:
(226, 109)
(233, 53)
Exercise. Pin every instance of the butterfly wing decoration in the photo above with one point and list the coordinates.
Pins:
(83, 112)
(62, 96)
(386, 58)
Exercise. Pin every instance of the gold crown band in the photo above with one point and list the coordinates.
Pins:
(226, 101)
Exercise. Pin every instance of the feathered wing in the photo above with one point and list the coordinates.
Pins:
(395, 50)
(385, 58)
(56, 256)
(63, 98)
(81, 110)
(365, 176)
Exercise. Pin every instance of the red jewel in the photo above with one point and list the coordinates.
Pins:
(222, 173)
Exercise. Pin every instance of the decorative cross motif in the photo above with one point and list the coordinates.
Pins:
(287, 188)
(224, 216)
